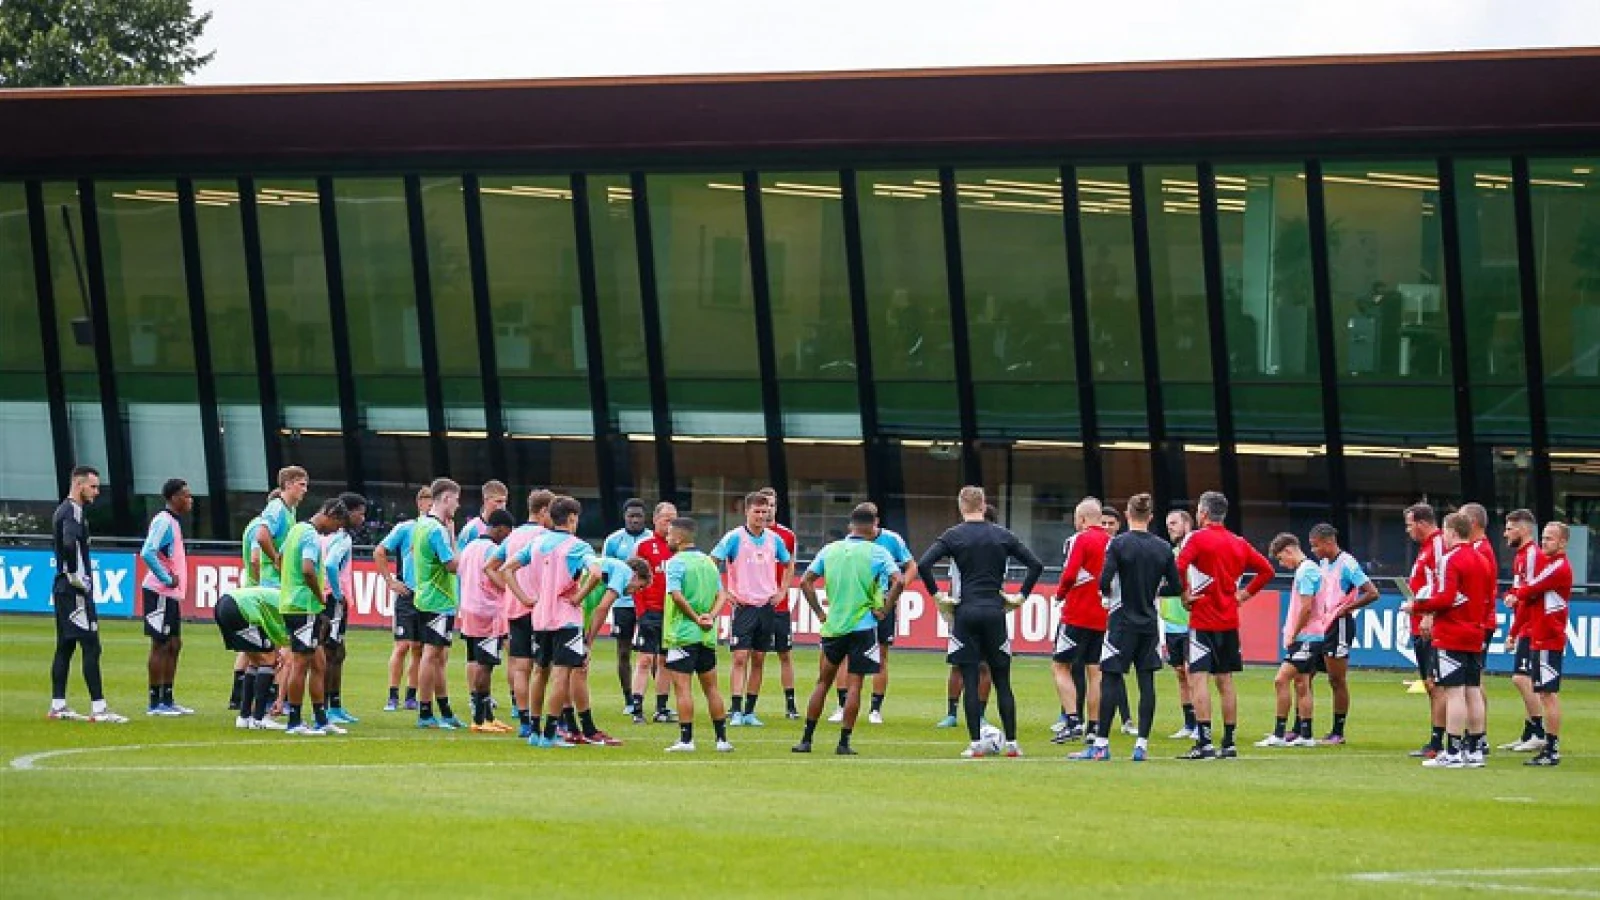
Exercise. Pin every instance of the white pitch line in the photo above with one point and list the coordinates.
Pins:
(30, 762)
(1485, 878)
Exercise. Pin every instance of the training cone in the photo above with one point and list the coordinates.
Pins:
(1417, 687)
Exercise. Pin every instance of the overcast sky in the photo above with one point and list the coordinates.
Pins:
(299, 41)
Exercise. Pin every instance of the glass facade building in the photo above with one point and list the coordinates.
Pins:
(1328, 318)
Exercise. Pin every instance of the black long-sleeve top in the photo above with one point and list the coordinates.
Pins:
(981, 550)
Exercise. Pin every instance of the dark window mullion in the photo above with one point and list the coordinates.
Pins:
(654, 352)
(260, 328)
(1078, 298)
(1162, 456)
(118, 456)
(339, 326)
(1544, 501)
(494, 419)
(866, 387)
(766, 344)
(427, 324)
(1473, 483)
(605, 438)
(1221, 369)
(1327, 362)
(204, 374)
(55, 387)
(960, 336)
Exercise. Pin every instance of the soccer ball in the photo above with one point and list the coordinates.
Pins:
(992, 739)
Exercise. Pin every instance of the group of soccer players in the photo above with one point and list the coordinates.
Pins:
(535, 597)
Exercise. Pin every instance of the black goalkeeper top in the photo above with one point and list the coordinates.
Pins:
(71, 542)
(1137, 562)
(980, 550)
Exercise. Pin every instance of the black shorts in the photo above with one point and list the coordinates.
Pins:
(1126, 649)
(1546, 671)
(238, 634)
(520, 643)
(886, 629)
(861, 647)
(1483, 655)
(624, 621)
(338, 618)
(1077, 646)
(163, 620)
(752, 628)
(303, 632)
(563, 647)
(1336, 641)
(979, 636)
(1215, 652)
(647, 639)
(484, 651)
(1177, 649)
(76, 618)
(407, 625)
(1522, 658)
(783, 633)
(1422, 649)
(438, 629)
(693, 659)
(1456, 668)
(1303, 655)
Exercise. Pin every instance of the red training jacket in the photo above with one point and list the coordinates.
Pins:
(1425, 576)
(1080, 579)
(1546, 595)
(653, 550)
(1211, 563)
(1524, 565)
(1457, 607)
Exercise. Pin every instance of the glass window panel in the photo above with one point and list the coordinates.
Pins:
(1576, 477)
(1040, 484)
(908, 303)
(1566, 240)
(296, 282)
(1115, 352)
(803, 220)
(826, 481)
(1019, 314)
(456, 330)
(233, 355)
(27, 452)
(152, 344)
(616, 258)
(1282, 487)
(713, 479)
(1492, 300)
(932, 476)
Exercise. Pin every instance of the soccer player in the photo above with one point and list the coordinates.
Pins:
(1548, 593)
(402, 582)
(906, 564)
(1478, 519)
(1457, 607)
(620, 545)
(861, 577)
(276, 520)
(163, 589)
(1082, 626)
(433, 560)
(251, 568)
(338, 588)
(495, 497)
(978, 633)
(300, 602)
(1345, 588)
(1211, 563)
(614, 578)
(558, 564)
(749, 556)
(953, 684)
(650, 606)
(251, 625)
(1175, 625)
(483, 617)
(1303, 634)
(782, 614)
(72, 595)
(689, 633)
(1422, 527)
(1525, 563)
(1137, 565)
(519, 628)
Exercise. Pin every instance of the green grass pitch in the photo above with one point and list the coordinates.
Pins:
(191, 807)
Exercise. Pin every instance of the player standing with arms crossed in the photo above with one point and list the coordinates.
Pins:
(165, 584)
(1548, 592)
(1423, 583)
(1525, 563)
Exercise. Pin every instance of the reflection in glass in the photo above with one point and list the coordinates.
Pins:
(27, 452)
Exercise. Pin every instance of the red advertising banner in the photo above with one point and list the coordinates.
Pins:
(918, 625)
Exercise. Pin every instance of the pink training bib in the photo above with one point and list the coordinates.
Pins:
(554, 588)
(176, 559)
(483, 607)
(522, 537)
(1329, 597)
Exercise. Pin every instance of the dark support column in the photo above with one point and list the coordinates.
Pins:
(1162, 455)
(427, 324)
(654, 353)
(1078, 296)
(1322, 299)
(204, 374)
(766, 344)
(878, 487)
(960, 328)
(118, 455)
(1474, 485)
(260, 329)
(1221, 359)
(55, 387)
(607, 444)
(339, 326)
(494, 419)
(1544, 498)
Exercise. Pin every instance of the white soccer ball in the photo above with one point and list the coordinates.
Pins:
(992, 739)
